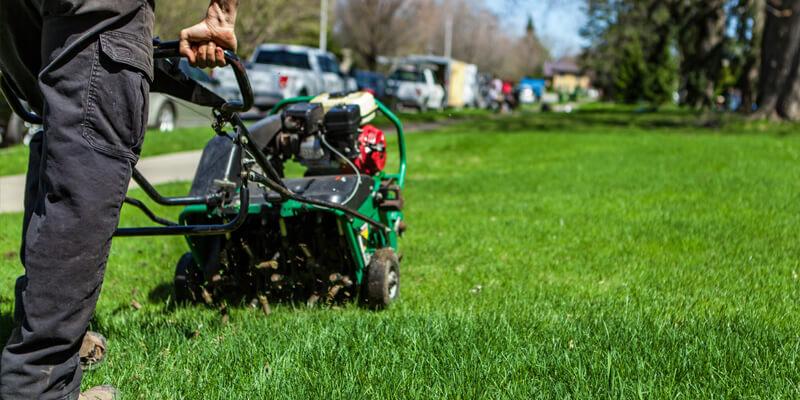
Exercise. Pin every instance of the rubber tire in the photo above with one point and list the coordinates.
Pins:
(377, 293)
(186, 280)
(14, 132)
(164, 107)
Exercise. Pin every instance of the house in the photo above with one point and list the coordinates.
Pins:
(566, 76)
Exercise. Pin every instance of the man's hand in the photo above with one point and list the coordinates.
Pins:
(203, 43)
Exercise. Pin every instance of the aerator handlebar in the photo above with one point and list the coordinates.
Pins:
(170, 49)
(161, 49)
(227, 113)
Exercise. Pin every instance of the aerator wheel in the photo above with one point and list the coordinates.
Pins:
(382, 283)
(187, 280)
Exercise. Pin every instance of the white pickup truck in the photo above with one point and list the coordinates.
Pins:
(415, 88)
(278, 71)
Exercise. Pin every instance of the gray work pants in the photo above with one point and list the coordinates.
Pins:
(86, 67)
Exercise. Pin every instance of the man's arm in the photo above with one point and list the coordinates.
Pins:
(203, 43)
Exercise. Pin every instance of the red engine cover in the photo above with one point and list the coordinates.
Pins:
(372, 150)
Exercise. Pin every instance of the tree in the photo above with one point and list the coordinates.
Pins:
(481, 38)
(533, 50)
(748, 17)
(779, 83)
(701, 41)
(373, 28)
(258, 21)
(631, 49)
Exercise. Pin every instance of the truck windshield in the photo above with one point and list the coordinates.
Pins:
(284, 58)
(328, 64)
(408, 76)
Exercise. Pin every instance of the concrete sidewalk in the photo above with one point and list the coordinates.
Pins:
(166, 168)
(173, 167)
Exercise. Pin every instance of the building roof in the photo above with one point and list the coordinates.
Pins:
(562, 66)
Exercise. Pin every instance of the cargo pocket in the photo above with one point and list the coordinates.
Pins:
(117, 100)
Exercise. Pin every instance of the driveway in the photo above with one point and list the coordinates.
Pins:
(173, 167)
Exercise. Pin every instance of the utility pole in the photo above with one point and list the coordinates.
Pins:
(448, 36)
(323, 25)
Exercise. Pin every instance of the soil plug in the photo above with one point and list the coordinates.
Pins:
(271, 264)
(223, 309)
(333, 291)
(206, 296)
(312, 300)
(264, 304)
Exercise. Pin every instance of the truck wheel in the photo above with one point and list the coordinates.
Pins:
(382, 283)
(14, 132)
(188, 278)
(166, 118)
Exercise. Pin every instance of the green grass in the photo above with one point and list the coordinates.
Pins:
(618, 254)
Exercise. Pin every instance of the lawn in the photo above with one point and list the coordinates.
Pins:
(607, 253)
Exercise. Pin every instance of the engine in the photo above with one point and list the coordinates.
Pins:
(331, 142)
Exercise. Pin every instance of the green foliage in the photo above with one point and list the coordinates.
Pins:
(629, 81)
(644, 50)
(660, 78)
(631, 51)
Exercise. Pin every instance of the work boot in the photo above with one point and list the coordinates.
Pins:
(93, 350)
(105, 392)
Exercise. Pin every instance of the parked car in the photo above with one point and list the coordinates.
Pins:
(12, 128)
(167, 113)
(530, 90)
(525, 94)
(416, 88)
(278, 71)
(373, 82)
(486, 95)
(459, 79)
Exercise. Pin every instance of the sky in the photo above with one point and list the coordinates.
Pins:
(557, 22)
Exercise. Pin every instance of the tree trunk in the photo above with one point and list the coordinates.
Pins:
(700, 42)
(779, 82)
(748, 79)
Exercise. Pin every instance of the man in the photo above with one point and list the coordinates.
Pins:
(85, 66)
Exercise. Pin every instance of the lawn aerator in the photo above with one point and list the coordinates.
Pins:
(256, 236)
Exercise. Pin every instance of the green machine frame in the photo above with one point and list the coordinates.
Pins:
(362, 240)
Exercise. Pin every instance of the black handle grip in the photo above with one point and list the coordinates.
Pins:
(171, 49)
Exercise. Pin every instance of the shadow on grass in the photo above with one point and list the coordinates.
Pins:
(161, 293)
